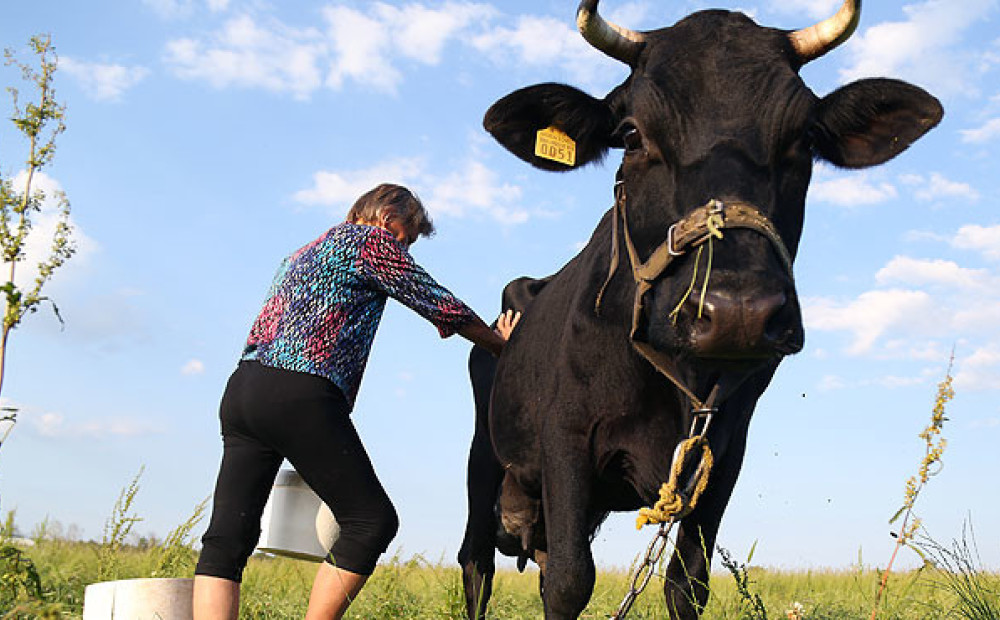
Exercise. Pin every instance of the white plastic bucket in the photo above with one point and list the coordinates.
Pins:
(296, 523)
(139, 599)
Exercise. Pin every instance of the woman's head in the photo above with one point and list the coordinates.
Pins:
(393, 205)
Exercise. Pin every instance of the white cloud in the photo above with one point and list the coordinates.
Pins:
(217, 6)
(361, 49)
(927, 47)
(934, 306)
(980, 370)
(366, 46)
(991, 57)
(57, 425)
(375, 45)
(103, 81)
(546, 42)
(990, 130)
(892, 381)
(477, 189)
(631, 15)
(917, 347)
(171, 9)
(421, 33)
(193, 367)
(852, 190)
(871, 315)
(473, 190)
(980, 318)
(936, 187)
(941, 273)
(817, 9)
(830, 383)
(362, 46)
(247, 54)
(38, 245)
(535, 40)
(341, 189)
(984, 239)
(985, 423)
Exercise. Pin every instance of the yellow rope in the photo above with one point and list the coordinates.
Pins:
(694, 278)
(714, 223)
(708, 273)
(673, 505)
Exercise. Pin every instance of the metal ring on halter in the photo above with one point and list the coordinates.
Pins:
(703, 417)
(670, 241)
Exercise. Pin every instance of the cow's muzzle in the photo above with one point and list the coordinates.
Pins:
(728, 325)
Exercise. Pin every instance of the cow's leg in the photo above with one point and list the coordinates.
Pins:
(569, 565)
(485, 474)
(476, 555)
(686, 583)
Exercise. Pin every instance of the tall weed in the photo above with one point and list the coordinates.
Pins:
(934, 445)
(175, 556)
(116, 530)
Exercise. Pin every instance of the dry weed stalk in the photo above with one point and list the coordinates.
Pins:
(934, 448)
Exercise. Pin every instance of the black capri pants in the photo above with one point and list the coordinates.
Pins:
(268, 414)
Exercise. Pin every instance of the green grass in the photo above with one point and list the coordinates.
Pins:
(418, 589)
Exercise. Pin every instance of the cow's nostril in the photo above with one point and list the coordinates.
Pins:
(740, 325)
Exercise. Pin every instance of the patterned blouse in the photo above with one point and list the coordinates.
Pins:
(327, 300)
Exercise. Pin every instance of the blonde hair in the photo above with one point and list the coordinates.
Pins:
(389, 202)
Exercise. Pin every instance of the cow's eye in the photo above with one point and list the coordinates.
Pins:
(632, 139)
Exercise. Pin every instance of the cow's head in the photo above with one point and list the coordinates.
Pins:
(714, 109)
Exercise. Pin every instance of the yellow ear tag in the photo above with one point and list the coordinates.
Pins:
(553, 144)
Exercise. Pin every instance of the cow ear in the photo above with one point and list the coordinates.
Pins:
(516, 119)
(870, 121)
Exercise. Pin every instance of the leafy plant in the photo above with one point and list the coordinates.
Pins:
(40, 122)
(752, 606)
(21, 592)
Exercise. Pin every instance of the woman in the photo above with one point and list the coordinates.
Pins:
(293, 391)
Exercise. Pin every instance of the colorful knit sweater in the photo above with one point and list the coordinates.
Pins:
(327, 299)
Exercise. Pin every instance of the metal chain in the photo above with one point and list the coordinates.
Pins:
(645, 570)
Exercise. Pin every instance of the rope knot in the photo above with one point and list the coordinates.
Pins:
(675, 502)
(715, 223)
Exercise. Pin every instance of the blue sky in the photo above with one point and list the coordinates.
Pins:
(208, 138)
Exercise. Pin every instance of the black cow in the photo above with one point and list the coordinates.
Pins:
(599, 381)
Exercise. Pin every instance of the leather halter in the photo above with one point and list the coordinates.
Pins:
(690, 232)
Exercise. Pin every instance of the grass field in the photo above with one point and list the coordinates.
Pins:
(47, 577)
(417, 589)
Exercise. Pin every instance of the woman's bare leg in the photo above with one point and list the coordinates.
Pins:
(333, 591)
(215, 598)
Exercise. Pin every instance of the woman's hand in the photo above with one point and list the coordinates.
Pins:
(506, 323)
(493, 340)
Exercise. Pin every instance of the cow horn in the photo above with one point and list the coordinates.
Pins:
(615, 41)
(816, 40)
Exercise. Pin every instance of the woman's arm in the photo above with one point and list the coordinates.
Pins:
(492, 340)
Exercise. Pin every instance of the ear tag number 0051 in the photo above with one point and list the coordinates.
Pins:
(551, 143)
